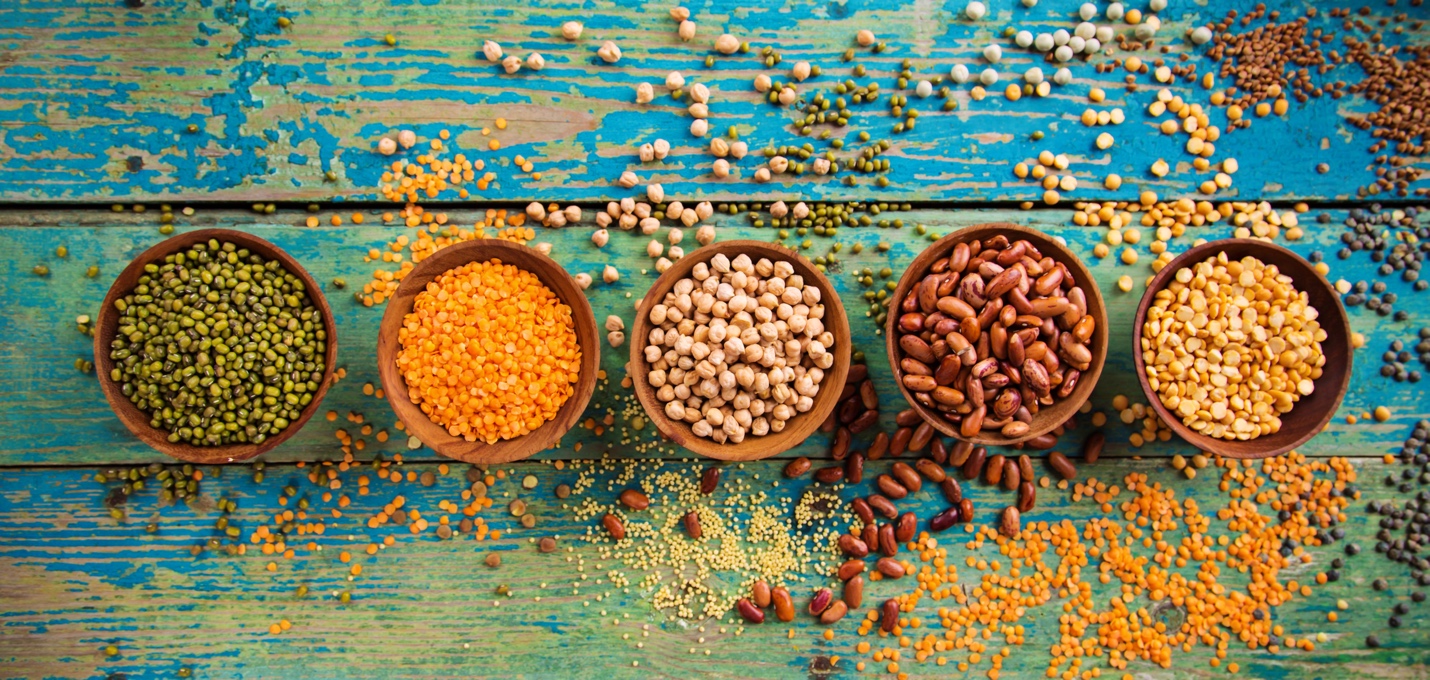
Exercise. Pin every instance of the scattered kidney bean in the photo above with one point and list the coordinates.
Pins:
(946, 519)
(692, 524)
(868, 395)
(1011, 474)
(784, 604)
(871, 536)
(907, 526)
(840, 448)
(836, 611)
(889, 567)
(906, 476)
(614, 526)
(891, 487)
(974, 464)
(965, 510)
(938, 451)
(634, 499)
(797, 467)
(709, 480)
(1062, 466)
(1092, 447)
(850, 569)
(854, 592)
(1041, 442)
(760, 593)
(888, 543)
(862, 510)
(1025, 466)
(960, 452)
(882, 506)
(858, 373)
(1010, 523)
(993, 470)
(1027, 496)
(829, 475)
(901, 441)
(830, 423)
(952, 492)
(749, 611)
(921, 437)
(854, 468)
(853, 546)
(931, 470)
(908, 418)
(820, 601)
(890, 619)
(879, 447)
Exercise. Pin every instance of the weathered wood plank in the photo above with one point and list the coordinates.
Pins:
(95, 102)
(77, 581)
(65, 419)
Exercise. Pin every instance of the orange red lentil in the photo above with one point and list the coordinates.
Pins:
(489, 352)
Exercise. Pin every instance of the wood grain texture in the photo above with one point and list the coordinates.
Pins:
(803, 424)
(77, 581)
(436, 436)
(95, 101)
(67, 422)
(1312, 411)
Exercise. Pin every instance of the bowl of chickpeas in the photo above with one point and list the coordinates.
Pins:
(740, 350)
(1242, 348)
(488, 351)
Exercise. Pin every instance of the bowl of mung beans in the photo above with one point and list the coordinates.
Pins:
(740, 350)
(488, 351)
(1242, 348)
(996, 334)
(215, 346)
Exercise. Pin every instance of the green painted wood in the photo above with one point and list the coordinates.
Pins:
(67, 422)
(77, 581)
(96, 100)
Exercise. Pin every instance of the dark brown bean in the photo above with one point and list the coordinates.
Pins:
(930, 470)
(889, 567)
(709, 480)
(849, 409)
(858, 373)
(850, 569)
(972, 423)
(906, 476)
(1041, 442)
(1010, 523)
(820, 601)
(868, 395)
(900, 444)
(854, 468)
(870, 536)
(614, 527)
(920, 439)
(784, 604)
(879, 446)
(1092, 447)
(906, 528)
(760, 594)
(891, 487)
(840, 448)
(854, 592)
(1011, 475)
(993, 471)
(862, 510)
(944, 520)
(938, 452)
(973, 466)
(797, 467)
(952, 492)
(907, 418)
(888, 544)
(830, 423)
(960, 452)
(1027, 496)
(834, 612)
(634, 499)
(965, 510)
(1063, 467)
(692, 524)
(890, 616)
(853, 546)
(829, 475)
(864, 422)
(883, 506)
(749, 611)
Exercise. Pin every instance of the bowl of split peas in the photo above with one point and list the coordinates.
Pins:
(488, 351)
(1251, 367)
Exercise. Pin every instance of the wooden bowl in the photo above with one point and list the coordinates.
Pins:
(108, 323)
(1049, 418)
(550, 274)
(798, 428)
(1309, 415)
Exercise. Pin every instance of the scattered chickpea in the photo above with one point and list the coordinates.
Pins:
(571, 30)
(610, 274)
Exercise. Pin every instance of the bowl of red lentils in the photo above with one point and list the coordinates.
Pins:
(488, 351)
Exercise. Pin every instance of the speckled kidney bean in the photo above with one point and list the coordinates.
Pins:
(960, 452)
(938, 451)
(952, 492)
(820, 601)
(797, 467)
(882, 506)
(930, 469)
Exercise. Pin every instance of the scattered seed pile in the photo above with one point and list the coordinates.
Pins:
(1395, 238)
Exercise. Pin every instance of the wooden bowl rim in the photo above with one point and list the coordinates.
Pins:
(1339, 319)
(1061, 253)
(553, 276)
(107, 325)
(799, 427)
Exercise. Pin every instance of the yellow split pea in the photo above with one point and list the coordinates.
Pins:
(1230, 346)
(489, 352)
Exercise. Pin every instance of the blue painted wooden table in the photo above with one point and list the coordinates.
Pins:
(118, 122)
